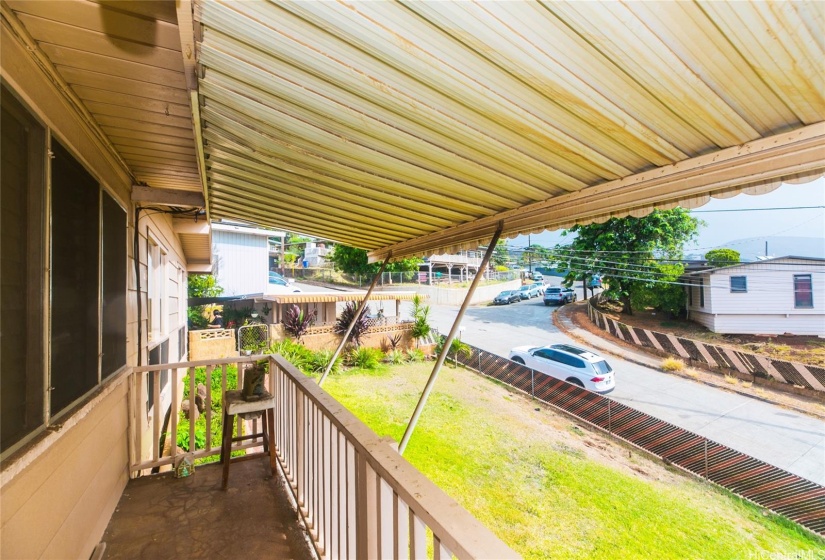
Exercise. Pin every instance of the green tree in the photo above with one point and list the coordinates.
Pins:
(629, 254)
(722, 257)
(500, 256)
(351, 260)
(201, 285)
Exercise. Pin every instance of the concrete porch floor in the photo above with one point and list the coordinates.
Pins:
(160, 516)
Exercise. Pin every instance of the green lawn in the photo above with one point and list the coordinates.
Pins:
(551, 489)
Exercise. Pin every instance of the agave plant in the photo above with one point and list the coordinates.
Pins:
(346, 317)
(297, 322)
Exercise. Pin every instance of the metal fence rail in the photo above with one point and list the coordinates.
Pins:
(719, 357)
(792, 496)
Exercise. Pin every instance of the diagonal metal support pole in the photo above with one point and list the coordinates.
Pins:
(357, 316)
(448, 342)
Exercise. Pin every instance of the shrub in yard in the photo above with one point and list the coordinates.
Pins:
(346, 317)
(365, 358)
(394, 340)
(421, 317)
(294, 352)
(672, 364)
(395, 356)
(457, 349)
(318, 363)
(416, 355)
(297, 322)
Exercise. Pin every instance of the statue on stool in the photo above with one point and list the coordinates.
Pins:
(253, 379)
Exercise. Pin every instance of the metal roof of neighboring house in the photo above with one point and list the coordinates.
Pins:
(746, 264)
(417, 127)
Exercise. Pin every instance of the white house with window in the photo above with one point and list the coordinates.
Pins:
(773, 296)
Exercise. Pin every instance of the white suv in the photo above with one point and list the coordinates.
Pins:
(572, 364)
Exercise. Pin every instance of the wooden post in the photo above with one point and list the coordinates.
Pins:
(357, 316)
(447, 342)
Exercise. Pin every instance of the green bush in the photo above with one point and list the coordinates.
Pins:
(319, 361)
(294, 352)
(395, 356)
(457, 348)
(416, 355)
(365, 358)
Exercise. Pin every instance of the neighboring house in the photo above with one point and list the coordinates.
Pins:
(457, 267)
(241, 258)
(775, 296)
(315, 254)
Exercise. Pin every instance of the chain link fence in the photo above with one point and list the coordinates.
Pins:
(253, 339)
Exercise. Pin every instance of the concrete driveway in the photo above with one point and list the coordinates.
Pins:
(782, 437)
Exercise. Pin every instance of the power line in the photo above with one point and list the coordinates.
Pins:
(756, 209)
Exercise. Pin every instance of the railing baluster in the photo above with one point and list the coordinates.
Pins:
(193, 409)
(208, 406)
(386, 519)
(401, 522)
(418, 537)
(352, 501)
(173, 417)
(440, 552)
(155, 414)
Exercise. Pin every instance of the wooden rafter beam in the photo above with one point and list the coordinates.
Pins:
(167, 197)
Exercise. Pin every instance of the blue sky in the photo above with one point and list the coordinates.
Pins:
(748, 221)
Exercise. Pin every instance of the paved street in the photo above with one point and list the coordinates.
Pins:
(782, 437)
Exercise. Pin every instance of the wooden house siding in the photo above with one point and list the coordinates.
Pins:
(768, 305)
(61, 489)
(241, 262)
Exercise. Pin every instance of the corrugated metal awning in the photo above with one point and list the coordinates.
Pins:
(327, 297)
(419, 127)
(412, 126)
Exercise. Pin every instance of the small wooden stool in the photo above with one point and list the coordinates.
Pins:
(233, 405)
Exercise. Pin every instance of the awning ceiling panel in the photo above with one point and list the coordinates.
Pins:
(123, 61)
(421, 127)
(411, 126)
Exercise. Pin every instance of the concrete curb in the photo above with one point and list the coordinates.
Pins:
(561, 319)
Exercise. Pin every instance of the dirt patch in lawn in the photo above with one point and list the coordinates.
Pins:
(803, 349)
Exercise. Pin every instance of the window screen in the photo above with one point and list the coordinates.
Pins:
(74, 293)
(739, 284)
(803, 292)
(21, 269)
(114, 287)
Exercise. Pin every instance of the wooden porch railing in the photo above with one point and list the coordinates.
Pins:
(357, 496)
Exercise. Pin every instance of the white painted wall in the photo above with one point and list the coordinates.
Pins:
(455, 296)
(240, 262)
(768, 305)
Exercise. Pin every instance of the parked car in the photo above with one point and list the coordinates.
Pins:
(537, 276)
(275, 278)
(575, 365)
(559, 296)
(507, 296)
(529, 291)
(595, 281)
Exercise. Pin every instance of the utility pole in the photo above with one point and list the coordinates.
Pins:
(530, 255)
